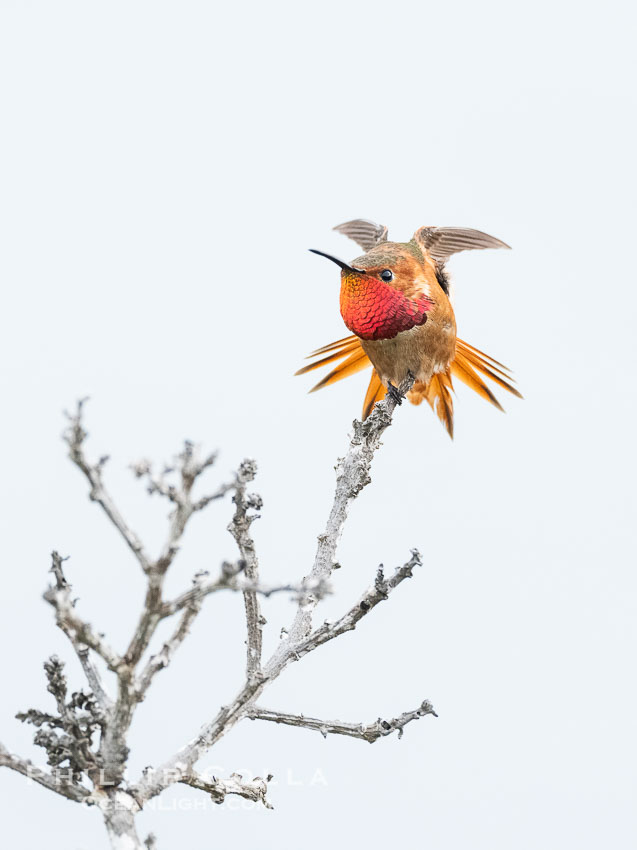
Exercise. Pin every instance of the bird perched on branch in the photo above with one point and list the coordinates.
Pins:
(395, 300)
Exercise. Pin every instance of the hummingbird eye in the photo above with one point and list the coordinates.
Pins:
(386, 275)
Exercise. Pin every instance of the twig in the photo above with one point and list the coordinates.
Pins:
(93, 678)
(54, 782)
(189, 466)
(81, 649)
(232, 578)
(79, 632)
(75, 437)
(370, 732)
(163, 658)
(328, 630)
(255, 789)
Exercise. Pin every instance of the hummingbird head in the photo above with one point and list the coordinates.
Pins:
(395, 264)
(384, 291)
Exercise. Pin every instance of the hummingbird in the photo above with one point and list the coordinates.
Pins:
(396, 300)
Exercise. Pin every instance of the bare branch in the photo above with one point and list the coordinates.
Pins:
(353, 474)
(75, 437)
(93, 677)
(204, 501)
(80, 633)
(81, 649)
(148, 620)
(155, 781)
(240, 529)
(67, 735)
(163, 658)
(113, 751)
(254, 789)
(192, 466)
(232, 577)
(375, 594)
(188, 466)
(378, 592)
(56, 781)
(370, 732)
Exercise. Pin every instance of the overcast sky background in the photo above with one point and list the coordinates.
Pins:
(164, 168)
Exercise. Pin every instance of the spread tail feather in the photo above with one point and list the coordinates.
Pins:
(348, 350)
(469, 366)
(469, 361)
(375, 392)
(438, 394)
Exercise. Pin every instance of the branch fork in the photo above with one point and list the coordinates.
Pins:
(67, 735)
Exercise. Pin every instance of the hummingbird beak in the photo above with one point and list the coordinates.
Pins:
(338, 262)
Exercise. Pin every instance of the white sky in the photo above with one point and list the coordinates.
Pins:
(163, 169)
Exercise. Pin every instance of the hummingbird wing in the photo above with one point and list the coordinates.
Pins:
(364, 232)
(442, 242)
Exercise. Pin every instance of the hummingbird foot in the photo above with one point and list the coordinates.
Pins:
(397, 394)
(394, 393)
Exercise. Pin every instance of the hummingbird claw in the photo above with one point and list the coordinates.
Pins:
(397, 394)
(394, 393)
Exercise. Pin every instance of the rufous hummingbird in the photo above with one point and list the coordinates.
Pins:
(395, 299)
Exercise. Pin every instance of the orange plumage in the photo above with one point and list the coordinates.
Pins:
(395, 300)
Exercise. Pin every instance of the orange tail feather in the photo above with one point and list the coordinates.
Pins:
(437, 393)
(469, 360)
(468, 365)
(375, 392)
